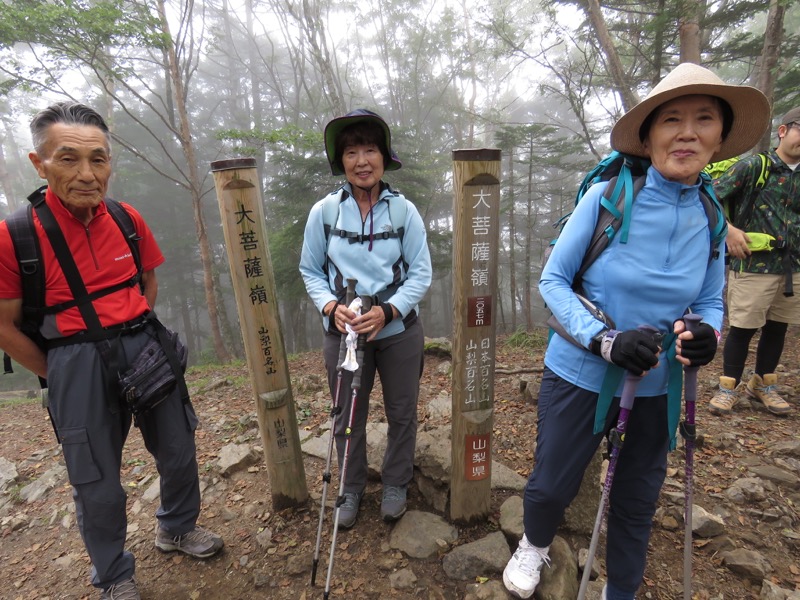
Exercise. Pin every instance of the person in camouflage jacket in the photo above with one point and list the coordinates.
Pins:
(764, 245)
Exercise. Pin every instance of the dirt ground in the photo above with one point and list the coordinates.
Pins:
(42, 556)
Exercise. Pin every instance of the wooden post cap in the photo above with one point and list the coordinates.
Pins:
(473, 154)
(233, 163)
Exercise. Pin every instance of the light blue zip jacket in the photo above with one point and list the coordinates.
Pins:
(375, 270)
(661, 271)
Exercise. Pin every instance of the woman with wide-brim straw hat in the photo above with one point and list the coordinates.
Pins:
(663, 269)
(375, 236)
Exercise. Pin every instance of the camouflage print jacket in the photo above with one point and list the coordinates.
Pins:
(774, 210)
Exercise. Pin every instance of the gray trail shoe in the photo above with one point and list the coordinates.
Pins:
(199, 543)
(393, 505)
(348, 511)
(124, 590)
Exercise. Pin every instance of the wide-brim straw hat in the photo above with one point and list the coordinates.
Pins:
(750, 108)
(335, 127)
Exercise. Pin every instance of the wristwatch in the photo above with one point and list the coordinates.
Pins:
(595, 345)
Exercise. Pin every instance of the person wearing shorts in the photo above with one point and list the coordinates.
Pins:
(764, 243)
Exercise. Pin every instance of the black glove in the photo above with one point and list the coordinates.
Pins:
(700, 350)
(633, 350)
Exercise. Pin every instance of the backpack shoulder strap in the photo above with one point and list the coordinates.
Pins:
(68, 266)
(124, 221)
(330, 211)
(717, 223)
(31, 268)
(615, 210)
(766, 166)
(398, 210)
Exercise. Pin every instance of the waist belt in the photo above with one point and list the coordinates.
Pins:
(106, 333)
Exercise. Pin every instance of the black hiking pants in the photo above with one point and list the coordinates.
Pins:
(93, 431)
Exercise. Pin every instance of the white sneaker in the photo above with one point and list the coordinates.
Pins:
(521, 575)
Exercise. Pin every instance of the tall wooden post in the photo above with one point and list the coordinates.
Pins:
(239, 197)
(476, 208)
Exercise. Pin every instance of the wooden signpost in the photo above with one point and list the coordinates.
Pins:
(239, 196)
(476, 210)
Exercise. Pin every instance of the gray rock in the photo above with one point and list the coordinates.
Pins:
(748, 563)
(8, 473)
(235, 457)
(404, 579)
(491, 590)
(560, 579)
(582, 512)
(504, 478)
(298, 564)
(487, 556)
(317, 446)
(419, 534)
(705, 524)
(39, 488)
(786, 448)
(511, 525)
(747, 489)
(264, 538)
(440, 407)
(153, 492)
(778, 476)
(770, 591)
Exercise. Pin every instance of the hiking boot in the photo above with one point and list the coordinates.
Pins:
(393, 504)
(124, 590)
(348, 511)
(726, 398)
(199, 543)
(762, 393)
(521, 575)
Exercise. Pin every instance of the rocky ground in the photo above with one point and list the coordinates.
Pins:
(747, 478)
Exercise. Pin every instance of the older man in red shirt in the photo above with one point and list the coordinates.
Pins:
(73, 153)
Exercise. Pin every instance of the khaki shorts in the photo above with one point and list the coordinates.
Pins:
(754, 298)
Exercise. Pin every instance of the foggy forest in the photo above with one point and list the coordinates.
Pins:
(185, 83)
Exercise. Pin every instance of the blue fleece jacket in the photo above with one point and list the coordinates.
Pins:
(662, 270)
(376, 269)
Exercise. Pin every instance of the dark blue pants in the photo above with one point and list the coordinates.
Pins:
(398, 360)
(92, 437)
(565, 445)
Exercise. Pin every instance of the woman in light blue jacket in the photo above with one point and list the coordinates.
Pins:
(663, 268)
(368, 232)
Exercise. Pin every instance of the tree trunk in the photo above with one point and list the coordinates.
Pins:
(512, 237)
(194, 188)
(529, 244)
(5, 180)
(621, 85)
(768, 61)
(689, 29)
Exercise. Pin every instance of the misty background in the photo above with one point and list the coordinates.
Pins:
(183, 84)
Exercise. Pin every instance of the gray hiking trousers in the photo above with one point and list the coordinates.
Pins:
(93, 431)
(398, 361)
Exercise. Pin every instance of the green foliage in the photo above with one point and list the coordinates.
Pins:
(533, 340)
(77, 26)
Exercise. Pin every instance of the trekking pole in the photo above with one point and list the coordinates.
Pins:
(355, 386)
(336, 409)
(616, 438)
(688, 433)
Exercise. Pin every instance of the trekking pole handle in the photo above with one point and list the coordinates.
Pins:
(692, 322)
(631, 380)
(366, 306)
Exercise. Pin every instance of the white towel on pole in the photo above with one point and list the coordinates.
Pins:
(350, 363)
